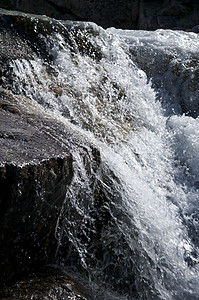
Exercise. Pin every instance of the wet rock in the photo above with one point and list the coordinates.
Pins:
(58, 201)
(35, 168)
(50, 284)
(36, 158)
(34, 174)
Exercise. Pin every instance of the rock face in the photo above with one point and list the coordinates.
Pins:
(31, 198)
(35, 170)
(135, 14)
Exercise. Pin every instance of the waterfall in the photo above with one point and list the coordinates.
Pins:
(129, 100)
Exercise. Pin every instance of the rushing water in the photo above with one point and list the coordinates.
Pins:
(131, 101)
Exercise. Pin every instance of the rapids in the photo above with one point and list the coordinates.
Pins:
(132, 98)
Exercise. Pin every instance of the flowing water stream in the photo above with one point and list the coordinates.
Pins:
(130, 100)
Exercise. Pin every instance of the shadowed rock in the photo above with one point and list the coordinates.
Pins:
(131, 14)
(35, 170)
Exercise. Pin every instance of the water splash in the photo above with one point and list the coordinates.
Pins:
(130, 216)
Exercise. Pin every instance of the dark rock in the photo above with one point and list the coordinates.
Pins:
(35, 166)
(168, 14)
(132, 14)
(166, 22)
(34, 174)
(174, 10)
(49, 284)
(195, 29)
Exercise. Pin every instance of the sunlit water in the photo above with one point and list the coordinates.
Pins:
(116, 92)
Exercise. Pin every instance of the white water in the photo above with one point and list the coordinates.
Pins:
(144, 140)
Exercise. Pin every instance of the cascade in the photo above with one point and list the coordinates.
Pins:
(130, 218)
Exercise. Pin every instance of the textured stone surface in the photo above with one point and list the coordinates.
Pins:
(138, 14)
(24, 137)
(31, 199)
(50, 284)
(35, 169)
